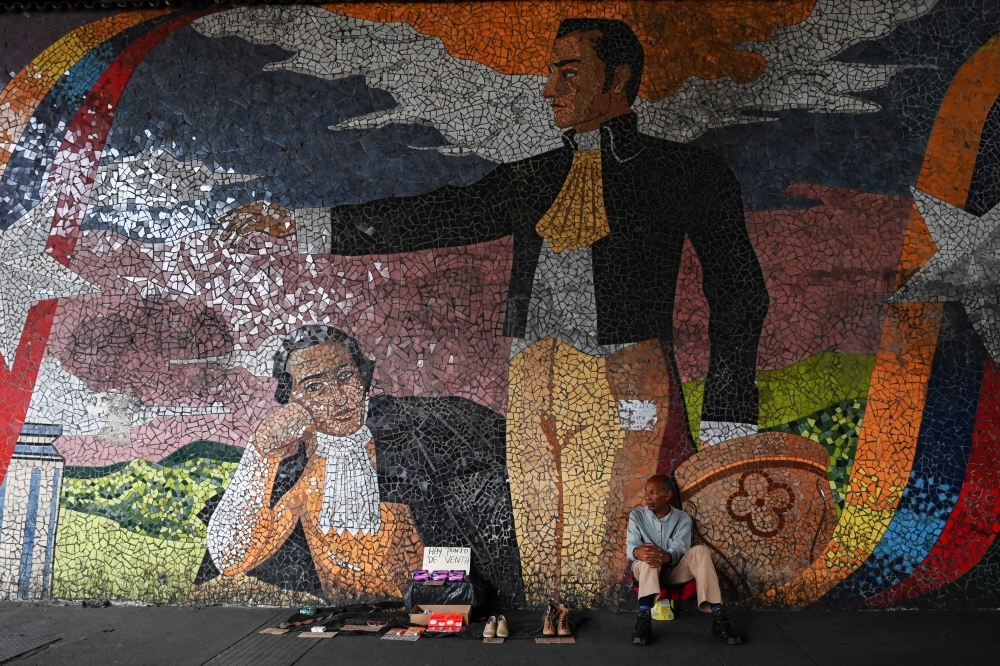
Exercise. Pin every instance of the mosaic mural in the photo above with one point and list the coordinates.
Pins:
(288, 293)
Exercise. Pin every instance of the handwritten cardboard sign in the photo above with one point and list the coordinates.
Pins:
(447, 559)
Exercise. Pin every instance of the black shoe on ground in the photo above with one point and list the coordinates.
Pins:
(643, 632)
(723, 628)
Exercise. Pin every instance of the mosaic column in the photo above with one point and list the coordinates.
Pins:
(29, 510)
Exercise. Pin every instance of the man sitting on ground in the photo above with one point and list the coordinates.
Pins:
(659, 545)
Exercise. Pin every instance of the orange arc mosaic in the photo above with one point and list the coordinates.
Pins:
(951, 152)
(681, 39)
(888, 438)
(29, 86)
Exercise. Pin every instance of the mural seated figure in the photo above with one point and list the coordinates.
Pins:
(367, 482)
(659, 546)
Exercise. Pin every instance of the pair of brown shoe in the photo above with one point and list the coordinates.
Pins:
(556, 622)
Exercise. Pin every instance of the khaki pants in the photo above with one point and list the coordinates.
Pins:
(696, 565)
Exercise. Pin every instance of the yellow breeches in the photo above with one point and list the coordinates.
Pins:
(574, 469)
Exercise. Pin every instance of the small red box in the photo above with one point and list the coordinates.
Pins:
(444, 622)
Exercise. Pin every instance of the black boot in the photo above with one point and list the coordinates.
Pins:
(723, 628)
(643, 632)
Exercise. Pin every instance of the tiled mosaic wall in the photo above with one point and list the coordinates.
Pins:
(290, 292)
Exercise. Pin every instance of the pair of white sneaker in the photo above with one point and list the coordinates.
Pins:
(496, 627)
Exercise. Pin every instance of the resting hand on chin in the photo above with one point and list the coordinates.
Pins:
(280, 433)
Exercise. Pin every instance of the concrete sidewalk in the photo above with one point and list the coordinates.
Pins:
(149, 635)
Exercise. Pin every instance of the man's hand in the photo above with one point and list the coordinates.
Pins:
(269, 218)
(280, 433)
(653, 555)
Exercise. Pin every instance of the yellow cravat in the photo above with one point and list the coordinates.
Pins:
(577, 217)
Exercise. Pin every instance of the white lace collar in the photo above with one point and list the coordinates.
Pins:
(350, 487)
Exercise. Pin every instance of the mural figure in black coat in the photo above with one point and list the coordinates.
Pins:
(598, 227)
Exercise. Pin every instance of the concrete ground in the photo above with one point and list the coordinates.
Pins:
(141, 636)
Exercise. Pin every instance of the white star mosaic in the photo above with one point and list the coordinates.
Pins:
(965, 268)
(29, 275)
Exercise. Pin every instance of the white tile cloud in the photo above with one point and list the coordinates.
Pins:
(504, 118)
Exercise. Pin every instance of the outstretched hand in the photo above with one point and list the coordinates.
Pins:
(263, 216)
(280, 433)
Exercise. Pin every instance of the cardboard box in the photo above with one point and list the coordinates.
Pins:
(418, 617)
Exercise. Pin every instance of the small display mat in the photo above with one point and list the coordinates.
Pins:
(362, 627)
(408, 635)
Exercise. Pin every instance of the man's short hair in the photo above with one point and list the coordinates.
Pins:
(664, 481)
(310, 336)
(617, 45)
